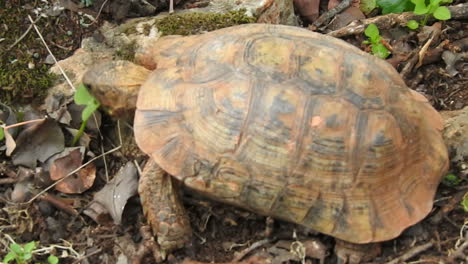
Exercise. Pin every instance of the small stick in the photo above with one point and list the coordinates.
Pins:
(24, 35)
(411, 253)
(330, 13)
(254, 246)
(59, 204)
(50, 52)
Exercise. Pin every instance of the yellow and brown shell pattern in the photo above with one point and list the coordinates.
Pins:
(292, 124)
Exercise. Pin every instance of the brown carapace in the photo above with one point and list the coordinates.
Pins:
(292, 124)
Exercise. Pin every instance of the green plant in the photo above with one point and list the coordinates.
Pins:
(375, 40)
(451, 180)
(423, 7)
(2, 133)
(83, 97)
(20, 253)
(395, 6)
(464, 202)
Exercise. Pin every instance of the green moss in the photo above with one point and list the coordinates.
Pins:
(19, 84)
(195, 23)
(24, 78)
(127, 52)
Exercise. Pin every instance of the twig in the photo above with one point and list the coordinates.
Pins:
(8, 181)
(448, 207)
(254, 246)
(99, 12)
(23, 123)
(51, 54)
(330, 13)
(411, 253)
(24, 35)
(87, 256)
(59, 204)
(458, 253)
(459, 11)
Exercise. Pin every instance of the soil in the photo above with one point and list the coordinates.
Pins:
(220, 231)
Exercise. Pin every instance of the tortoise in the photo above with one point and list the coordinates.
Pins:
(280, 121)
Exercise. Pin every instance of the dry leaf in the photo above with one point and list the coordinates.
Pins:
(112, 198)
(76, 183)
(9, 142)
(38, 142)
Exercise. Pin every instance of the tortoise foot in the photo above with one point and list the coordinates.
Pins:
(163, 210)
(350, 253)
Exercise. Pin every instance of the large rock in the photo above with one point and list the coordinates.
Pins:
(267, 11)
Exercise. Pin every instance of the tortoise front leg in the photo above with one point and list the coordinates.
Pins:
(163, 209)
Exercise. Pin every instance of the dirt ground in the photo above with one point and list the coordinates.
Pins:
(220, 231)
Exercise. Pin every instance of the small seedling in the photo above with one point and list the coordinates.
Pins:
(83, 97)
(433, 8)
(451, 180)
(375, 40)
(20, 253)
(464, 202)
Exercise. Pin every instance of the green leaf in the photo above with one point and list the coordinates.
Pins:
(29, 246)
(420, 7)
(52, 259)
(380, 51)
(17, 249)
(2, 133)
(464, 202)
(372, 32)
(442, 13)
(434, 2)
(27, 256)
(412, 24)
(367, 6)
(83, 97)
(451, 180)
(393, 6)
(9, 257)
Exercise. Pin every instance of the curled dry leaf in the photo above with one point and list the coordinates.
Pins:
(76, 183)
(38, 142)
(112, 198)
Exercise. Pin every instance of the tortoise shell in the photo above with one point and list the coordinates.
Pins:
(292, 124)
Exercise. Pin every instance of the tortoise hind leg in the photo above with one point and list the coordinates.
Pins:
(350, 253)
(163, 209)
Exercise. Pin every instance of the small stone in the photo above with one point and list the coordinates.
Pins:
(49, 60)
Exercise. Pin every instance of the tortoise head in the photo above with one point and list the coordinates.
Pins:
(115, 84)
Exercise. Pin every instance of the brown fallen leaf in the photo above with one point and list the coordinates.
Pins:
(113, 197)
(77, 183)
(39, 141)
